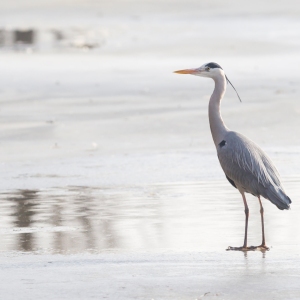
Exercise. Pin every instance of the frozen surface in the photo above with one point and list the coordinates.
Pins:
(194, 275)
(110, 187)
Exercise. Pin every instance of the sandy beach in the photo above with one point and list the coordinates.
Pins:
(110, 183)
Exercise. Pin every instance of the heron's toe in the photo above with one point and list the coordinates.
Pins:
(230, 248)
(263, 248)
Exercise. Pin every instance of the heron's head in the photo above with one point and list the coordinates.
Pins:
(210, 70)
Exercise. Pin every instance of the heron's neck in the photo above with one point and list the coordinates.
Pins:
(217, 126)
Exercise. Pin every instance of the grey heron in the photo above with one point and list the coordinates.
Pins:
(245, 165)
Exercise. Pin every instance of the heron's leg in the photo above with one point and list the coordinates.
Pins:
(246, 220)
(263, 246)
(244, 247)
(263, 243)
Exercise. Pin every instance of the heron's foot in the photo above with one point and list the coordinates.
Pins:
(262, 248)
(250, 248)
(239, 248)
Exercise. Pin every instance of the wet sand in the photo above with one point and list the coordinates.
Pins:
(110, 184)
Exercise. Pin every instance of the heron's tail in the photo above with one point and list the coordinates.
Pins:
(278, 197)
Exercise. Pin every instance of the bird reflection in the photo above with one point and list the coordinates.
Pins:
(263, 253)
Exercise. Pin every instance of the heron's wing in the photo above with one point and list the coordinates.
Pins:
(270, 168)
(249, 168)
(246, 164)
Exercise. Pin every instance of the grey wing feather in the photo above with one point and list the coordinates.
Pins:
(251, 169)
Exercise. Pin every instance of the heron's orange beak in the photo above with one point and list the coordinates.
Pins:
(187, 71)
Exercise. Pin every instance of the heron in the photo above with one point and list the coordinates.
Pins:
(246, 166)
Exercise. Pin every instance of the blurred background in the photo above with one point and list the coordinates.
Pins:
(90, 109)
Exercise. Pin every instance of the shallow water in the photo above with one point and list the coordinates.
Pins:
(195, 216)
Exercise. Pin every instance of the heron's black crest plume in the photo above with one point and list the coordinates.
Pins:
(213, 65)
(233, 87)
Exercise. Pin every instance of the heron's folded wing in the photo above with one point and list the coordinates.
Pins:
(246, 164)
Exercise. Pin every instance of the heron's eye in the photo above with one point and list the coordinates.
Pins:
(207, 69)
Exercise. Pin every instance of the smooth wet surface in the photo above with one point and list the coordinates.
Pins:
(197, 216)
(163, 241)
(158, 241)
